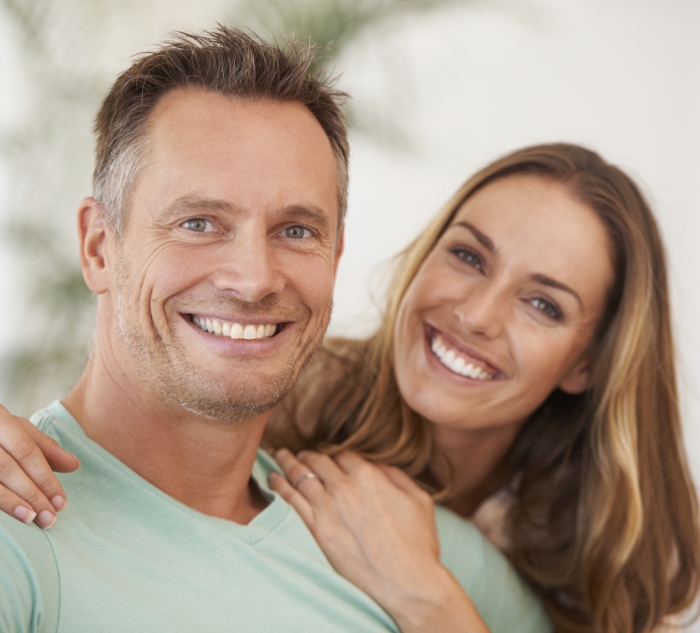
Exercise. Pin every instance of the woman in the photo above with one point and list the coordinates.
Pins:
(524, 366)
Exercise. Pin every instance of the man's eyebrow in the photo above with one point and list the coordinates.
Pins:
(188, 203)
(553, 283)
(483, 239)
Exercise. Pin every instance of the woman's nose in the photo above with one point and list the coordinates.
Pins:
(483, 311)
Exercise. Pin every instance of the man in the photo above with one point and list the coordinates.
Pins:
(212, 244)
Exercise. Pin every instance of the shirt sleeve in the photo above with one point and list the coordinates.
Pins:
(29, 583)
(503, 599)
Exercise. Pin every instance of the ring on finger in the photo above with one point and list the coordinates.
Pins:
(301, 478)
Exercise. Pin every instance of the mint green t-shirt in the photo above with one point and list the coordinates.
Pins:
(125, 556)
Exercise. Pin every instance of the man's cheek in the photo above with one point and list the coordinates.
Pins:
(314, 282)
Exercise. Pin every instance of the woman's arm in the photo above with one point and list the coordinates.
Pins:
(377, 528)
(29, 490)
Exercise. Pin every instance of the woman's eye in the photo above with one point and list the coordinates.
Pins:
(468, 257)
(296, 232)
(547, 308)
(196, 224)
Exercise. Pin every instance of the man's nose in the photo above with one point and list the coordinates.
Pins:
(249, 268)
(483, 311)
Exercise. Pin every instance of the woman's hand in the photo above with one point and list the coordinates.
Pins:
(29, 490)
(377, 528)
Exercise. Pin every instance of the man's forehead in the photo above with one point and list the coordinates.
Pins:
(242, 153)
(197, 110)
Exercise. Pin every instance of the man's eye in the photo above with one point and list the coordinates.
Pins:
(547, 308)
(196, 224)
(468, 257)
(296, 232)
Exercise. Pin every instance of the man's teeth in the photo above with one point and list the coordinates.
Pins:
(456, 363)
(235, 330)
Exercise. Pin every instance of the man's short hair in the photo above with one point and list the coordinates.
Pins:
(226, 61)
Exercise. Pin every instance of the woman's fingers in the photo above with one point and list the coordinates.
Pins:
(60, 461)
(27, 483)
(280, 484)
(14, 505)
(323, 466)
(21, 498)
(300, 476)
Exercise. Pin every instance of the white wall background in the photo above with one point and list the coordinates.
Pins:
(620, 76)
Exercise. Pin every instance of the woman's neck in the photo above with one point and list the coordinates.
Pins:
(477, 460)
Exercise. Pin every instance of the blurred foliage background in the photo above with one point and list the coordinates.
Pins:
(68, 48)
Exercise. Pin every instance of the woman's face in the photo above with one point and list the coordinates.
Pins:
(502, 310)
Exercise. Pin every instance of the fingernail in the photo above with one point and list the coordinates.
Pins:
(282, 452)
(58, 502)
(273, 475)
(302, 454)
(46, 519)
(24, 514)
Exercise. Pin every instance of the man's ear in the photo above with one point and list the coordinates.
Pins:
(93, 238)
(578, 379)
(339, 249)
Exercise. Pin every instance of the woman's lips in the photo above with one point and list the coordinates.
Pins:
(458, 360)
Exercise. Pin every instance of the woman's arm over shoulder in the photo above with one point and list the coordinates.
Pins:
(501, 596)
(29, 491)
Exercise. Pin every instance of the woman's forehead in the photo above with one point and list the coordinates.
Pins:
(525, 208)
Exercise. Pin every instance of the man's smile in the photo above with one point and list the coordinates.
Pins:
(235, 330)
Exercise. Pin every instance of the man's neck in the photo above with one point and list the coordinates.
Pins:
(205, 464)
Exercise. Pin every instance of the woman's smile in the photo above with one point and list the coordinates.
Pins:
(458, 358)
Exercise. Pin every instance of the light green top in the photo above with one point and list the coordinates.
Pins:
(124, 556)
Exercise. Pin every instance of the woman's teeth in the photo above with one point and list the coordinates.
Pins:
(235, 330)
(456, 363)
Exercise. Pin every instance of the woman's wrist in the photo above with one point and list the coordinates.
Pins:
(439, 604)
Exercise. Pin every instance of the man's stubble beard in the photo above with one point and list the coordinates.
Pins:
(162, 363)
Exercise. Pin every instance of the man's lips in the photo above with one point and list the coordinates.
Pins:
(459, 358)
(249, 329)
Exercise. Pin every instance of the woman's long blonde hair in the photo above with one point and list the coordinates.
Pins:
(605, 524)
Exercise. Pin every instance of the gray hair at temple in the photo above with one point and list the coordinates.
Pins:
(226, 61)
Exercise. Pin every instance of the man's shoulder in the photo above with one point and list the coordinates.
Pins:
(55, 421)
(29, 582)
(501, 596)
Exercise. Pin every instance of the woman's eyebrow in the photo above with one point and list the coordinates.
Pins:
(553, 283)
(483, 239)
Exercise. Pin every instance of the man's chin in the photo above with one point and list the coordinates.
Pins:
(230, 409)
(229, 403)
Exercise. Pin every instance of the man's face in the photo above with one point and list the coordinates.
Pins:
(221, 286)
